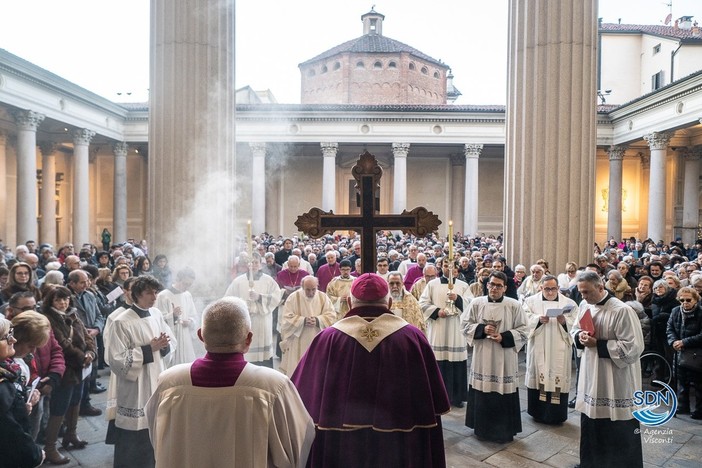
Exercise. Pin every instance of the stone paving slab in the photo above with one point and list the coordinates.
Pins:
(562, 460)
(539, 446)
(506, 459)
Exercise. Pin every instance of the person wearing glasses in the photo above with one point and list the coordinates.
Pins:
(685, 332)
(496, 327)
(549, 349)
(16, 444)
(610, 372)
(20, 280)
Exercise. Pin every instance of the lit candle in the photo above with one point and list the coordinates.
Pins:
(450, 240)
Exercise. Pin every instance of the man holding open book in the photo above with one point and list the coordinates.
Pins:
(610, 334)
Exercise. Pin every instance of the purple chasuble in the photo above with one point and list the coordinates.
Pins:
(378, 408)
(217, 369)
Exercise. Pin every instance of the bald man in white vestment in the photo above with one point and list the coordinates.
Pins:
(221, 411)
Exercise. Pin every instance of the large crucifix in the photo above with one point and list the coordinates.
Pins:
(367, 173)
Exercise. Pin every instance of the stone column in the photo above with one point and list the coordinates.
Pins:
(191, 161)
(27, 124)
(691, 194)
(258, 188)
(119, 197)
(329, 150)
(3, 184)
(81, 186)
(472, 152)
(614, 211)
(645, 179)
(47, 203)
(456, 199)
(399, 195)
(658, 144)
(551, 132)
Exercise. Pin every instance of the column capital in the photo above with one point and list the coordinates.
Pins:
(472, 150)
(400, 150)
(47, 148)
(658, 140)
(329, 148)
(82, 136)
(645, 161)
(691, 153)
(258, 148)
(28, 120)
(120, 148)
(616, 152)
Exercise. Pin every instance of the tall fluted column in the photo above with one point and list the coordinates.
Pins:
(47, 202)
(3, 184)
(472, 153)
(399, 195)
(192, 167)
(329, 150)
(258, 187)
(691, 197)
(658, 143)
(551, 132)
(645, 179)
(81, 186)
(119, 197)
(614, 212)
(27, 124)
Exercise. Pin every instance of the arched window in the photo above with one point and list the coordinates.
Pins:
(360, 64)
(411, 66)
(377, 65)
(436, 75)
(392, 65)
(324, 69)
(337, 65)
(425, 71)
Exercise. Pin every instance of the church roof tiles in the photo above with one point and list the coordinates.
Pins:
(685, 35)
(373, 43)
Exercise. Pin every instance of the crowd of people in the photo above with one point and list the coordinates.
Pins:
(116, 309)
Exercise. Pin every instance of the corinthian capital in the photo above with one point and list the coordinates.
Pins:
(47, 148)
(329, 148)
(28, 120)
(82, 136)
(258, 148)
(120, 148)
(472, 150)
(658, 140)
(616, 152)
(400, 150)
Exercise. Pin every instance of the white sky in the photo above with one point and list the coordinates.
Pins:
(103, 45)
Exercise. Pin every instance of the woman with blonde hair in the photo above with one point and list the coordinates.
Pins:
(567, 279)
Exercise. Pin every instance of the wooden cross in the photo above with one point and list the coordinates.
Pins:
(367, 173)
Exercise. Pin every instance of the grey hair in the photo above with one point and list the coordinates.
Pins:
(590, 277)
(5, 326)
(226, 323)
(662, 282)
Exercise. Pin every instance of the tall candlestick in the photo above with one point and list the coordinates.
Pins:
(450, 240)
(248, 242)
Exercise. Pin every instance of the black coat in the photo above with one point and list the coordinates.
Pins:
(17, 448)
(690, 332)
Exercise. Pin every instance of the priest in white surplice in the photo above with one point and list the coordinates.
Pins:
(495, 325)
(262, 296)
(610, 372)
(245, 415)
(444, 330)
(139, 342)
(339, 287)
(549, 352)
(178, 308)
(306, 312)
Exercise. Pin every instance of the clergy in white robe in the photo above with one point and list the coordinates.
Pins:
(550, 317)
(245, 415)
(338, 289)
(404, 304)
(610, 372)
(139, 342)
(306, 312)
(495, 325)
(178, 308)
(443, 321)
(262, 296)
